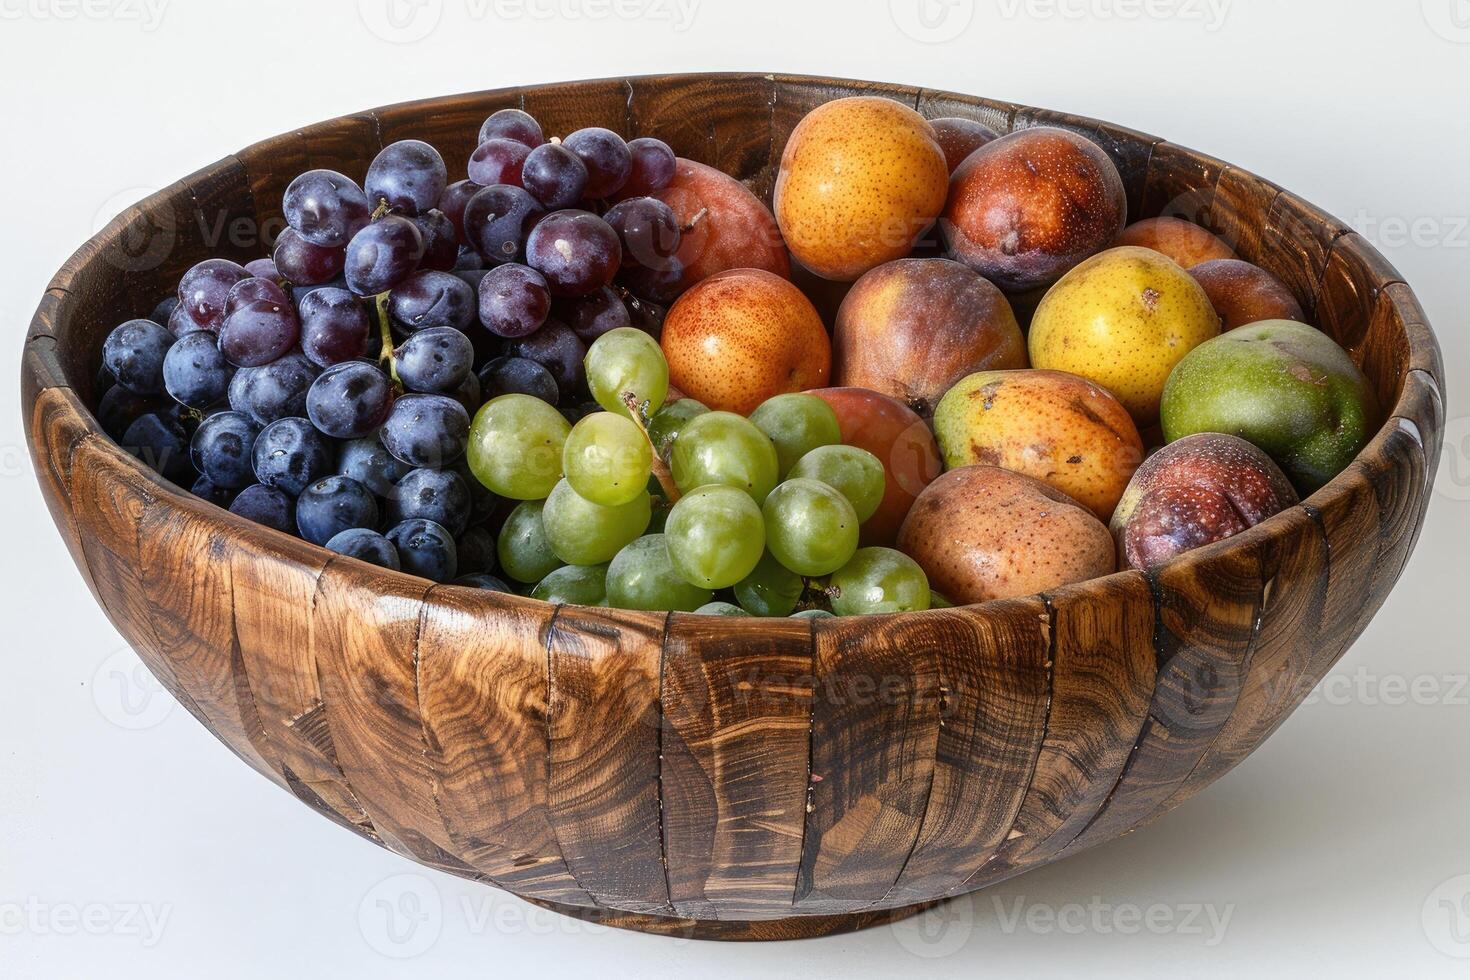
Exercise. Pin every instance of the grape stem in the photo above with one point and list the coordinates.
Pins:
(661, 470)
(385, 332)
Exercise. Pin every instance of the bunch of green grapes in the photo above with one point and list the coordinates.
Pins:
(675, 507)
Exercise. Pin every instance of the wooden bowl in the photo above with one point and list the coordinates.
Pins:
(714, 777)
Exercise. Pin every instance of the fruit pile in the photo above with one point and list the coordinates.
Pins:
(585, 373)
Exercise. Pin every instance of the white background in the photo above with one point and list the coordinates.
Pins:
(1337, 847)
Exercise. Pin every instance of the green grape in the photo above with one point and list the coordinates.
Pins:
(643, 577)
(796, 424)
(722, 447)
(856, 474)
(584, 533)
(515, 446)
(627, 360)
(938, 601)
(581, 585)
(715, 536)
(721, 609)
(669, 421)
(812, 614)
(810, 527)
(771, 589)
(879, 580)
(523, 548)
(607, 459)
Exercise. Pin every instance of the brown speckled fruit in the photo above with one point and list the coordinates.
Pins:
(1244, 293)
(900, 439)
(1183, 241)
(1064, 430)
(861, 179)
(1200, 489)
(981, 532)
(1123, 319)
(742, 336)
(959, 137)
(1029, 206)
(913, 327)
(724, 225)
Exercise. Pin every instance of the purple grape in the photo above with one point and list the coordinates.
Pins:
(118, 407)
(204, 489)
(467, 393)
(557, 349)
(425, 549)
(648, 231)
(475, 549)
(498, 219)
(431, 299)
(203, 290)
(576, 251)
(514, 300)
(659, 285)
(408, 175)
(223, 449)
(382, 255)
(301, 262)
(365, 545)
(441, 246)
(263, 268)
(498, 161)
(252, 289)
(593, 315)
(440, 496)
(273, 391)
(195, 373)
(435, 360)
(426, 430)
(606, 157)
(349, 400)
(554, 175)
(164, 311)
(512, 124)
(181, 322)
(266, 505)
(452, 203)
(289, 455)
(334, 326)
(162, 443)
(517, 376)
(369, 463)
(653, 166)
(468, 260)
(326, 208)
(134, 353)
(259, 332)
(479, 580)
(332, 505)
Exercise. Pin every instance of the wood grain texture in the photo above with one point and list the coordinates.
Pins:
(695, 776)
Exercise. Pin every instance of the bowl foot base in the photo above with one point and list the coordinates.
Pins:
(764, 930)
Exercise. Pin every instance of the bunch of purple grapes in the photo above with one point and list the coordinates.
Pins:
(327, 390)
